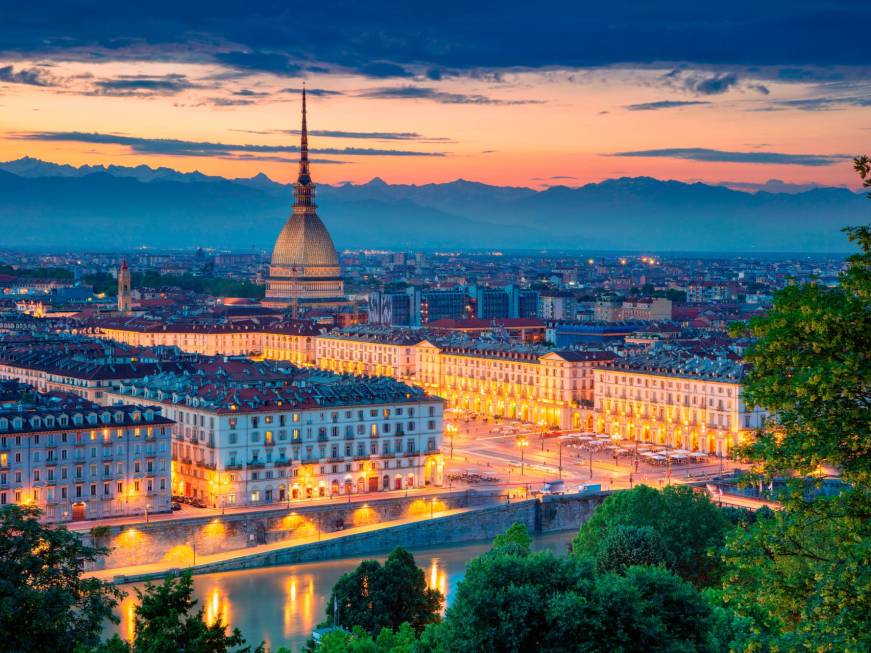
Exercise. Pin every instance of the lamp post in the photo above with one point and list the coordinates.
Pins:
(522, 442)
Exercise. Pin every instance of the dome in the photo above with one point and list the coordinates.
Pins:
(304, 242)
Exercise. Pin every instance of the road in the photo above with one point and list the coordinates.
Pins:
(480, 447)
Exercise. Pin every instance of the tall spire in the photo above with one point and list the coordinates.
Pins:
(305, 189)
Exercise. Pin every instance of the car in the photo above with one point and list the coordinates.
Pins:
(198, 503)
(554, 487)
(177, 498)
(175, 505)
(585, 488)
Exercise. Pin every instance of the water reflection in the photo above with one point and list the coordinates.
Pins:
(282, 605)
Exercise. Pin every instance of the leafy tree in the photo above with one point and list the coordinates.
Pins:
(811, 367)
(628, 546)
(402, 640)
(45, 603)
(517, 535)
(690, 527)
(375, 596)
(501, 605)
(513, 601)
(802, 576)
(166, 622)
(799, 579)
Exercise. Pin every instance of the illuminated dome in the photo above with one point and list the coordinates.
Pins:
(305, 243)
(304, 272)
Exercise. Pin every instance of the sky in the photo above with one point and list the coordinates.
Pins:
(508, 93)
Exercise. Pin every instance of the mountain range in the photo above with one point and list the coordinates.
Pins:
(46, 205)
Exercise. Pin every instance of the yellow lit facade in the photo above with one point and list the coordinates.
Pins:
(702, 413)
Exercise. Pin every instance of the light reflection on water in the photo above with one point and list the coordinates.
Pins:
(282, 605)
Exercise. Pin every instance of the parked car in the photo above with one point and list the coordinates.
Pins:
(197, 503)
(554, 487)
(177, 498)
(175, 505)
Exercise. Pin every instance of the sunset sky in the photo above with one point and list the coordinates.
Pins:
(529, 94)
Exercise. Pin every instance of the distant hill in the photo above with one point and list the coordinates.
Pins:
(113, 207)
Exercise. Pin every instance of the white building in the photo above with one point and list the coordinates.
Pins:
(691, 403)
(263, 435)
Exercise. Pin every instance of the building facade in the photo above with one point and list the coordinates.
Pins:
(86, 462)
(305, 271)
(690, 403)
(250, 442)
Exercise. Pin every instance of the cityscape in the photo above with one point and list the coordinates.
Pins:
(501, 373)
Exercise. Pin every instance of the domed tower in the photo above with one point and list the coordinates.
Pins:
(305, 270)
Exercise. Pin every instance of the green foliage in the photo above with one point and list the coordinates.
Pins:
(811, 366)
(215, 286)
(45, 604)
(802, 576)
(628, 546)
(37, 273)
(511, 602)
(375, 596)
(862, 165)
(402, 640)
(690, 527)
(166, 622)
(516, 536)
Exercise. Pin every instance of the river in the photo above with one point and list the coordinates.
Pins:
(281, 605)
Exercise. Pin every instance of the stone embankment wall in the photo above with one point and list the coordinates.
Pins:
(550, 514)
(177, 542)
(173, 542)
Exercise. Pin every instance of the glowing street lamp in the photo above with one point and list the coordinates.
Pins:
(522, 442)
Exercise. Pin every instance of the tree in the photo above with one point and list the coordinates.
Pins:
(375, 596)
(810, 366)
(691, 528)
(800, 578)
(45, 603)
(165, 622)
(513, 601)
(501, 605)
(402, 640)
(628, 546)
(517, 535)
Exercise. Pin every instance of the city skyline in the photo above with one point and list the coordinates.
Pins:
(558, 98)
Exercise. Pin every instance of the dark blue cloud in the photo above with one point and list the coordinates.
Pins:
(176, 147)
(429, 93)
(824, 103)
(29, 76)
(281, 37)
(268, 62)
(144, 85)
(721, 156)
(664, 104)
(383, 69)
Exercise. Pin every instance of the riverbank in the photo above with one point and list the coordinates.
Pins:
(451, 526)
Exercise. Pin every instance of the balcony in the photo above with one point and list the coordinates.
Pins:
(282, 462)
(256, 464)
(358, 458)
(233, 466)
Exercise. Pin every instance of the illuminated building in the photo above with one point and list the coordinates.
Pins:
(251, 433)
(124, 303)
(305, 270)
(371, 351)
(50, 368)
(85, 462)
(690, 403)
(291, 341)
(549, 388)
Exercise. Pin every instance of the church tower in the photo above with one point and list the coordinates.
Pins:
(124, 303)
(305, 270)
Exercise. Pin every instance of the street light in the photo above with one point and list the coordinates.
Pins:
(522, 442)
